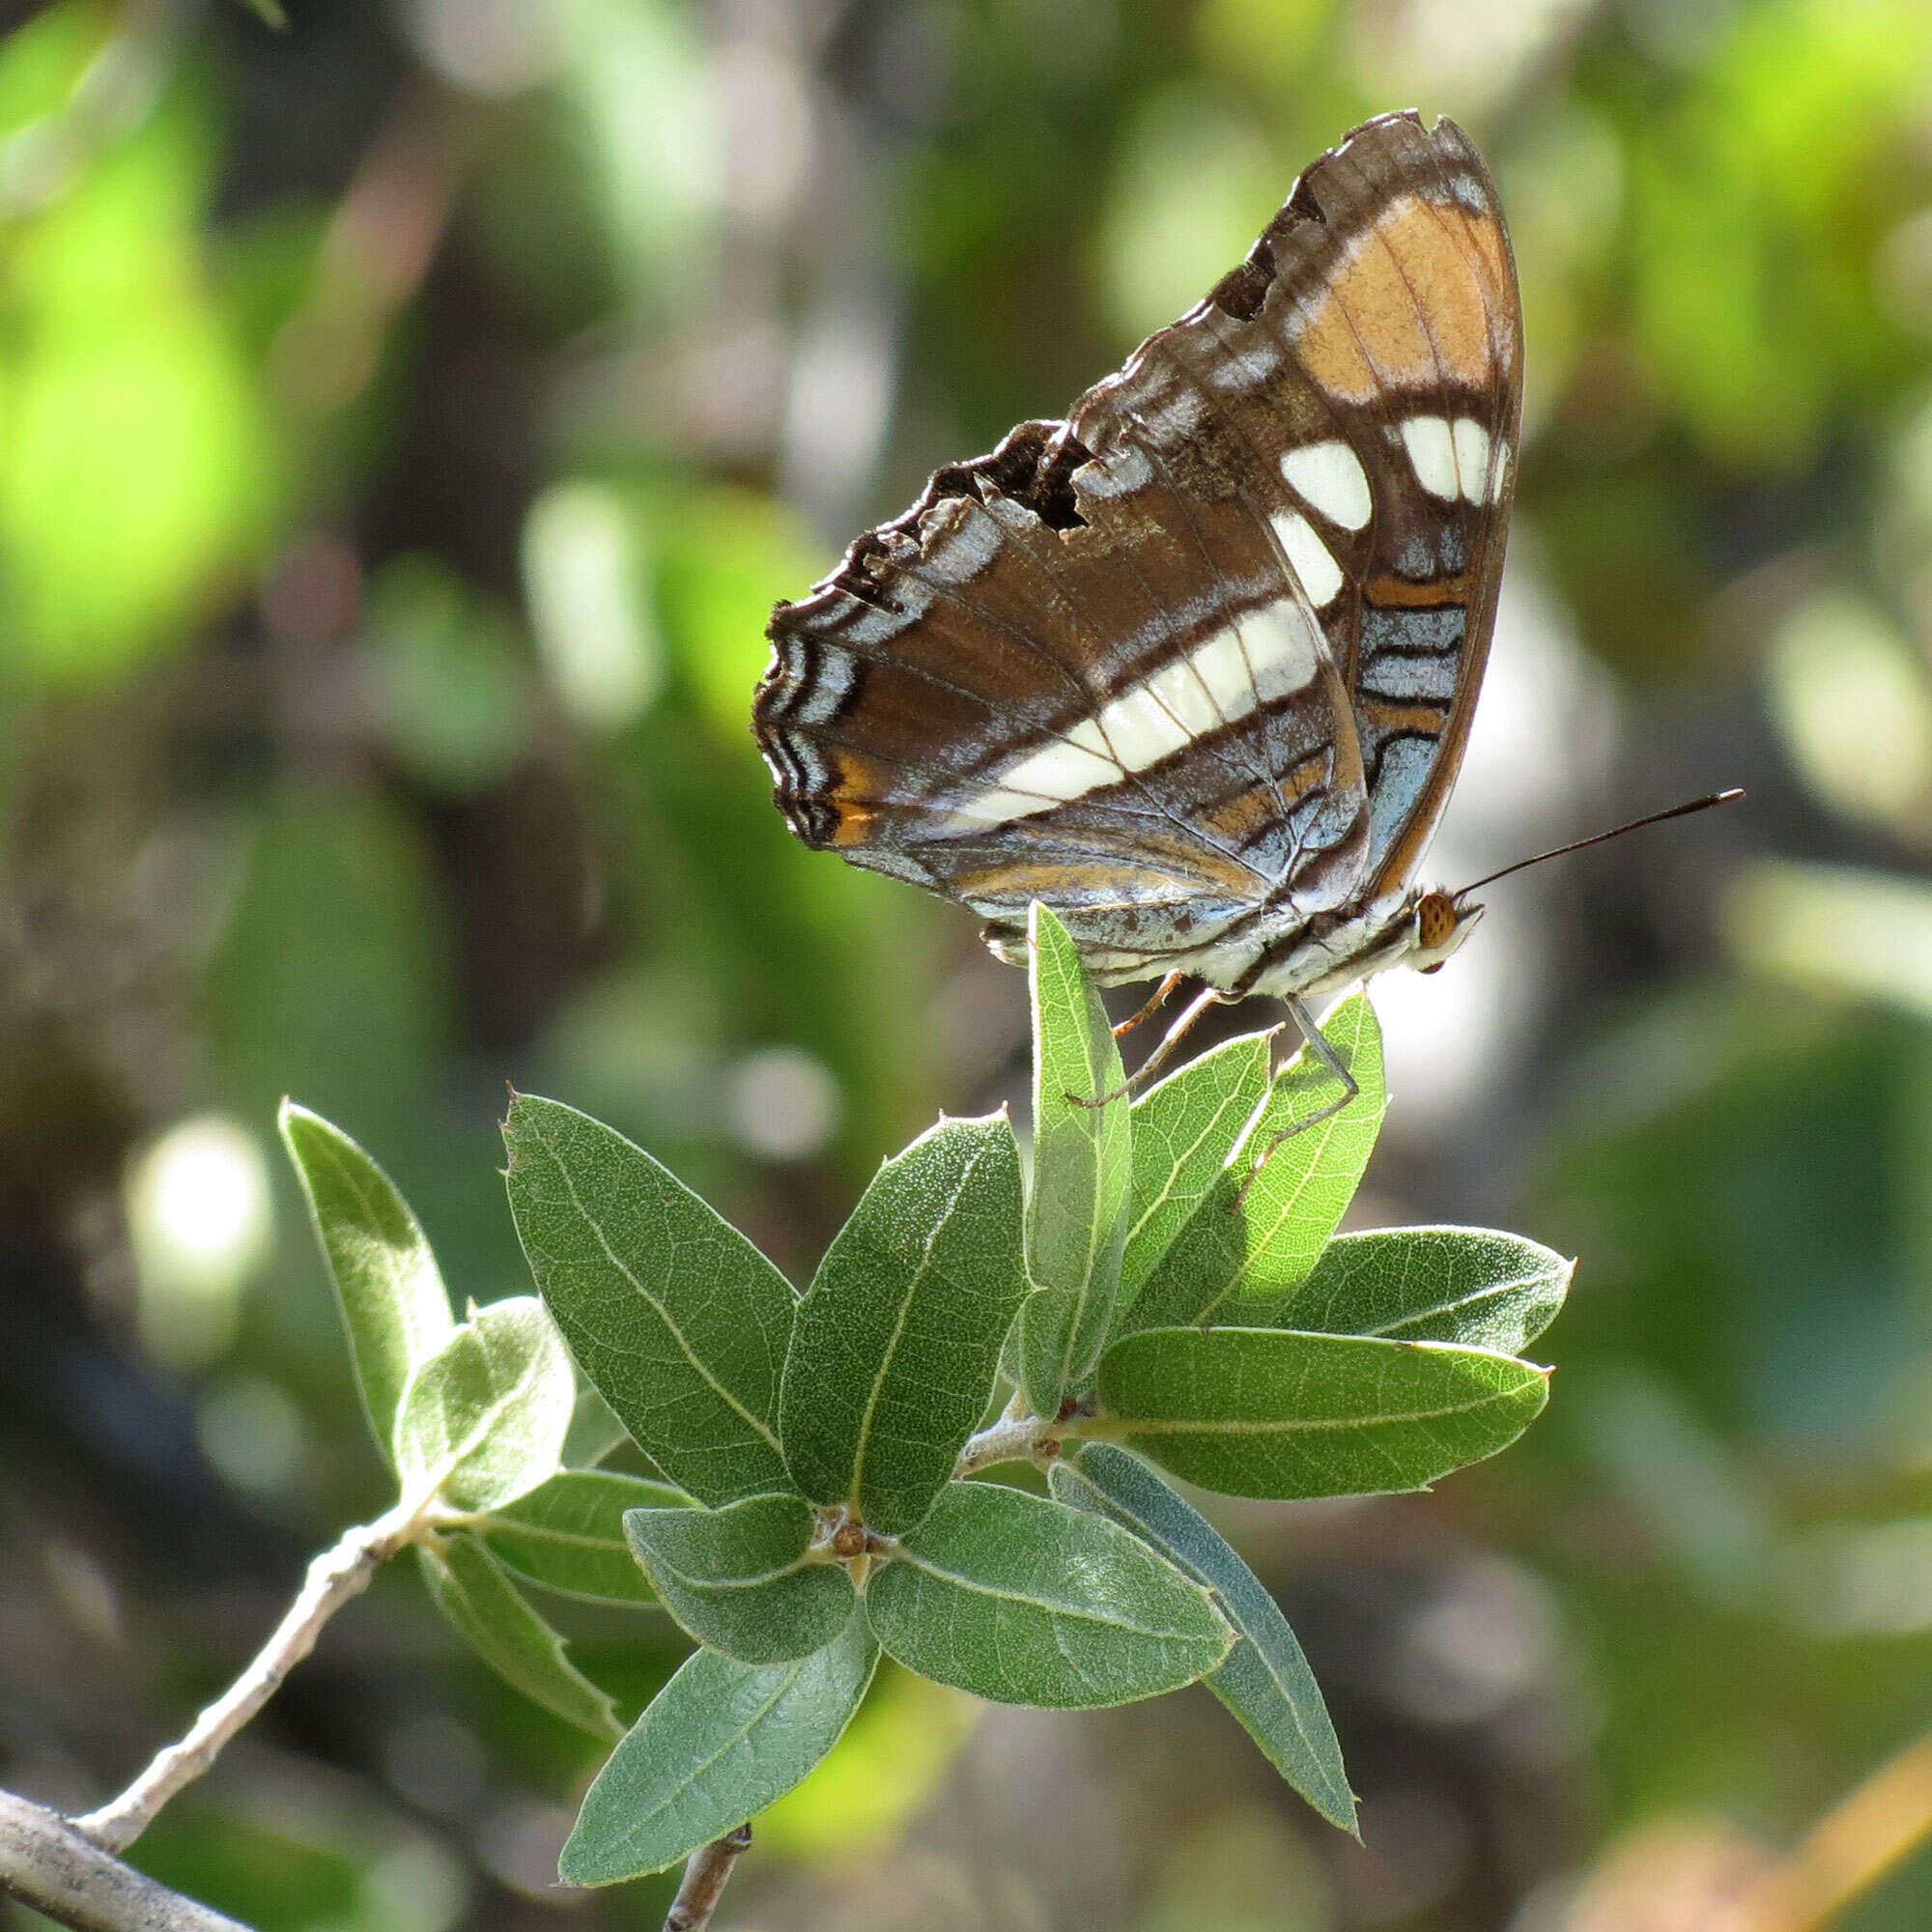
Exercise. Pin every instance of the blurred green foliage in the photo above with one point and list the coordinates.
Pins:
(406, 423)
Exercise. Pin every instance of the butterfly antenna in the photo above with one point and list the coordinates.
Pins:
(1615, 832)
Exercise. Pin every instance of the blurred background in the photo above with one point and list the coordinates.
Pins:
(407, 420)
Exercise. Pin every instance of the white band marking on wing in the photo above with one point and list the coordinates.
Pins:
(1262, 656)
(1315, 565)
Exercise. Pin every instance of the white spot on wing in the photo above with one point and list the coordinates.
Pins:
(1472, 457)
(1432, 454)
(1139, 726)
(1499, 481)
(1069, 768)
(1314, 563)
(1330, 478)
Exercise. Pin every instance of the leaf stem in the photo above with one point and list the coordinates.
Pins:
(333, 1578)
(705, 1875)
(1013, 1439)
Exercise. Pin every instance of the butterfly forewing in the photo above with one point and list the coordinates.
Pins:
(1195, 667)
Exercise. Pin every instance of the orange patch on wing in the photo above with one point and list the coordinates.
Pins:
(1427, 719)
(1487, 238)
(1391, 591)
(1245, 814)
(1445, 285)
(853, 798)
(1042, 879)
(1406, 306)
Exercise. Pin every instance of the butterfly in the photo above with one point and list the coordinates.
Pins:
(1196, 667)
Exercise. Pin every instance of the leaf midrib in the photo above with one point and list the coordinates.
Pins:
(1139, 1525)
(738, 1736)
(1317, 1425)
(1290, 1203)
(757, 1424)
(930, 1566)
(920, 1269)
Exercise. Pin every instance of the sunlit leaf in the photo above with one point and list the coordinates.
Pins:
(1472, 1286)
(719, 1743)
(680, 1323)
(896, 1346)
(1076, 1217)
(741, 1580)
(1269, 1412)
(1186, 1131)
(387, 1285)
(1266, 1680)
(469, 1586)
(1024, 1600)
(483, 1420)
(1239, 1263)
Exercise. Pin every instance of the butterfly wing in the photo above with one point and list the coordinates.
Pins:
(1387, 287)
(1129, 664)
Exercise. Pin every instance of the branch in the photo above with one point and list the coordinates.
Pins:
(705, 1875)
(45, 1863)
(333, 1578)
(1864, 1836)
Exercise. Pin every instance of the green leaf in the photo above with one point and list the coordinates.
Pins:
(484, 1420)
(1027, 1601)
(388, 1288)
(1076, 1219)
(1270, 1412)
(680, 1323)
(1265, 1681)
(1186, 1131)
(1238, 1265)
(897, 1341)
(594, 1430)
(568, 1534)
(1476, 1287)
(741, 1579)
(469, 1586)
(719, 1742)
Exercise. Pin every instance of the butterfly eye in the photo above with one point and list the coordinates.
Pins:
(1436, 921)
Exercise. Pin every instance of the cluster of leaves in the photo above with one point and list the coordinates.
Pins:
(1150, 1298)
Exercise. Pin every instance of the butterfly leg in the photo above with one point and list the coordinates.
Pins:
(1147, 1012)
(1318, 1042)
(1161, 1054)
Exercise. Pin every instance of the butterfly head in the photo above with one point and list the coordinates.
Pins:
(1439, 925)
